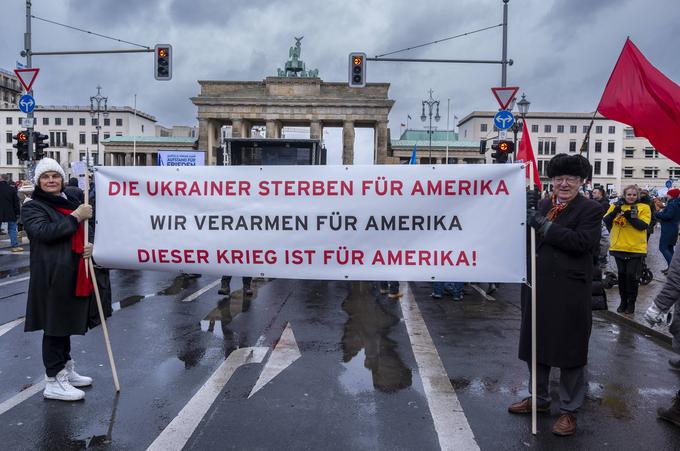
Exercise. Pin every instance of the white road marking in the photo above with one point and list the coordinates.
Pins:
(482, 292)
(284, 354)
(14, 253)
(21, 397)
(193, 296)
(178, 432)
(450, 422)
(10, 282)
(24, 395)
(4, 328)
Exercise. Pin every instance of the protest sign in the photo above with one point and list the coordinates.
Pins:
(388, 222)
(180, 158)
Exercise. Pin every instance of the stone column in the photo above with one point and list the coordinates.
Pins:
(211, 142)
(348, 142)
(315, 130)
(380, 132)
(237, 128)
(273, 129)
(203, 138)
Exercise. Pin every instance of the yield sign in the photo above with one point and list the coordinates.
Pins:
(505, 95)
(27, 75)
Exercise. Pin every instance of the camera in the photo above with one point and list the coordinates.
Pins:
(634, 211)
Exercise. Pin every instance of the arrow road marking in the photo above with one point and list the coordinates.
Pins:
(284, 354)
(450, 422)
(178, 432)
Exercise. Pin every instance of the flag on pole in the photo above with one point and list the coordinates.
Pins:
(526, 154)
(20, 66)
(639, 95)
(413, 156)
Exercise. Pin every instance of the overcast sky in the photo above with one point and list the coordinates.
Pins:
(564, 50)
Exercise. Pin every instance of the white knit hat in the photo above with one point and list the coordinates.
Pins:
(47, 165)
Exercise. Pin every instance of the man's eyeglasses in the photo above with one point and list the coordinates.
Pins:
(571, 180)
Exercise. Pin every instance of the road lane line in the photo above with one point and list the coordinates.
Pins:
(10, 282)
(193, 296)
(10, 325)
(482, 292)
(180, 429)
(450, 422)
(21, 396)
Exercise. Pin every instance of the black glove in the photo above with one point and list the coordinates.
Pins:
(538, 221)
(627, 214)
(532, 199)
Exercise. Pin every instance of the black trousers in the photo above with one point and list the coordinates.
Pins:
(56, 351)
(629, 278)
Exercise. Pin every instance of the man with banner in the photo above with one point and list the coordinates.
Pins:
(568, 228)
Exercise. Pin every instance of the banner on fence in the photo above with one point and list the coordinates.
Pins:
(180, 158)
(387, 222)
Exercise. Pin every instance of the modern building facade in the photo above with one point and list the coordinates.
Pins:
(618, 157)
(445, 144)
(72, 133)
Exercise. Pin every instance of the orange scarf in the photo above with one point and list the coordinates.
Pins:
(556, 209)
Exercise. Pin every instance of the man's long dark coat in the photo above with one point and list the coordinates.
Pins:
(564, 271)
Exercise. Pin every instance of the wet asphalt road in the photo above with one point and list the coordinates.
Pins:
(355, 386)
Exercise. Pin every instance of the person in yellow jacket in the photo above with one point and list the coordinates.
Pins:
(627, 221)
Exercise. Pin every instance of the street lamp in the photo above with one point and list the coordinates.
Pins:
(98, 108)
(431, 103)
(523, 108)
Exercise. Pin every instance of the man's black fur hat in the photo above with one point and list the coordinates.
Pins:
(563, 164)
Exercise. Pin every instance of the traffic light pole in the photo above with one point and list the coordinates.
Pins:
(504, 62)
(29, 116)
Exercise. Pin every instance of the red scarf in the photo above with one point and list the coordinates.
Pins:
(556, 209)
(83, 283)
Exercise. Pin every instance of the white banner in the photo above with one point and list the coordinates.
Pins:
(388, 222)
(180, 158)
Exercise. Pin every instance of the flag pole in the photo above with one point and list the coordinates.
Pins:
(90, 267)
(532, 231)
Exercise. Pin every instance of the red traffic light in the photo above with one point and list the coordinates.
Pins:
(503, 146)
(22, 136)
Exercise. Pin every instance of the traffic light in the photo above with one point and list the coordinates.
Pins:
(502, 149)
(40, 145)
(482, 146)
(162, 62)
(22, 145)
(357, 70)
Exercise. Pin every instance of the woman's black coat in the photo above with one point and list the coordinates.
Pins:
(52, 303)
(564, 272)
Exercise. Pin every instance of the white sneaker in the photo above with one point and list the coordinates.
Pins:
(74, 378)
(60, 388)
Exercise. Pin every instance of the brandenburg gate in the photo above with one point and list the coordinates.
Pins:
(295, 98)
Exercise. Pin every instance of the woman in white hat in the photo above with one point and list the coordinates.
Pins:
(59, 301)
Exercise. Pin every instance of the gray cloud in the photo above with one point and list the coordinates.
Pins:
(563, 50)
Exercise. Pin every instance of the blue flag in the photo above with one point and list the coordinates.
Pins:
(20, 66)
(413, 156)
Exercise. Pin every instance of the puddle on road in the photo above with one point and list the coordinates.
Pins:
(365, 340)
(14, 272)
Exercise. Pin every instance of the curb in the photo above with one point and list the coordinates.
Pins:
(620, 319)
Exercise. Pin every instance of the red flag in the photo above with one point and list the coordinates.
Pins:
(526, 154)
(639, 95)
